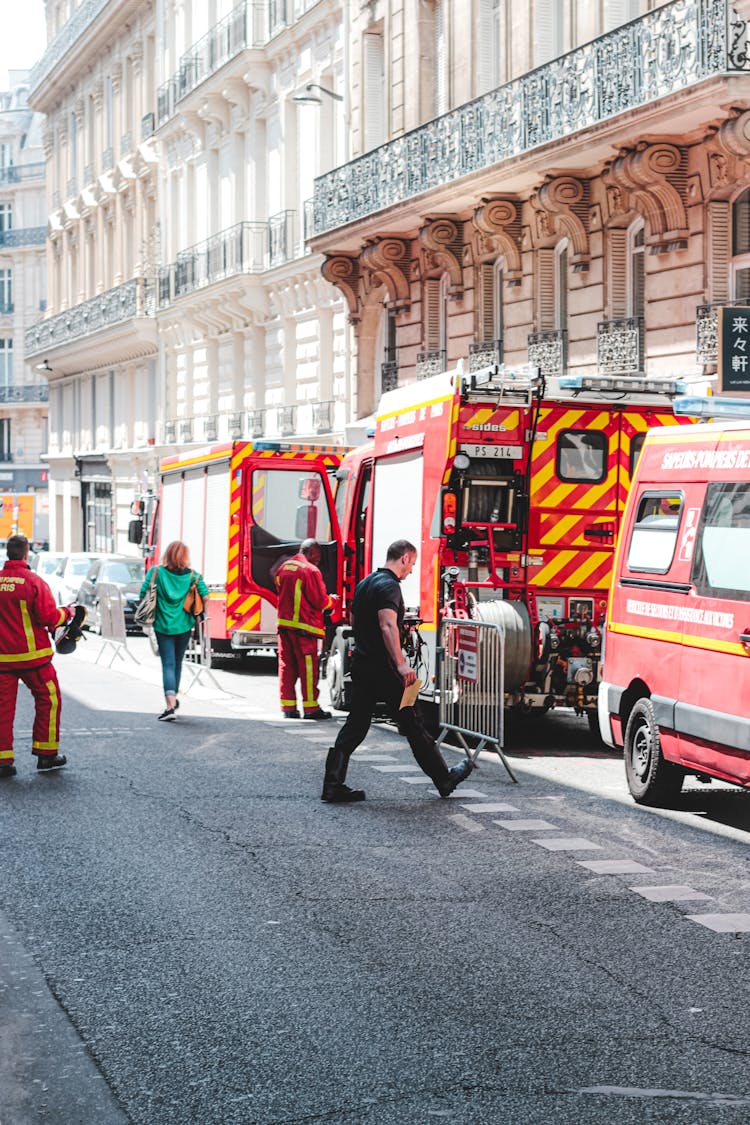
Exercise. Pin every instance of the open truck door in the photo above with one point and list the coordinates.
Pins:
(287, 499)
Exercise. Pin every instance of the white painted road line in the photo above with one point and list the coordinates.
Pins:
(466, 823)
(464, 793)
(423, 779)
(526, 825)
(567, 844)
(614, 866)
(675, 892)
(397, 769)
(374, 758)
(723, 923)
(489, 806)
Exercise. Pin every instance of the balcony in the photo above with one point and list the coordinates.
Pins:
(148, 126)
(666, 51)
(22, 173)
(485, 353)
(388, 375)
(323, 417)
(30, 393)
(256, 423)
(239, 250)
(287, 420)
(549, 351)
(707, 330)
(281, 245)
(67, 37)
(430, 363)
(244, 27)
(619, 345)
(22, 236)
(110, 328)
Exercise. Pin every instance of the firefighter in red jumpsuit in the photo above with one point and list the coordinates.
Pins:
(303, 599)
(28, 614)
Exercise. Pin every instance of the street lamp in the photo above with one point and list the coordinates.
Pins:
(309, 98)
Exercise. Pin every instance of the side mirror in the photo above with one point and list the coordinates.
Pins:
(135, 532)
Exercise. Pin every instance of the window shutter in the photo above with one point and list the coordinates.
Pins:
(617, 278)
(374, 67)
(485, 302)
(717, 236)
(561, 309)
(486, 77)
(618, 12)
(547, 31)
(545, 278)
(441, 59)
(432, 315)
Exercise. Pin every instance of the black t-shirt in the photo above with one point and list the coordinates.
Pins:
(380, 590)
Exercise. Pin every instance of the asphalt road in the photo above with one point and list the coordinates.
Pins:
(188, 934)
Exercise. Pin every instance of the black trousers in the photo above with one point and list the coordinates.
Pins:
(373, 684)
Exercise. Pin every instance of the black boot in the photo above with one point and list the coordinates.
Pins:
(455, 776)
(334, 790)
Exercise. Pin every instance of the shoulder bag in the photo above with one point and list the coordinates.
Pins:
(193, 601)
(146, 612)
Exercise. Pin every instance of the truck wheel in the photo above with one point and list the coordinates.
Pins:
(652, 780)
(337, 667)
(593, 721)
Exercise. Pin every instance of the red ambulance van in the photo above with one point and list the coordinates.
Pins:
(675, 689)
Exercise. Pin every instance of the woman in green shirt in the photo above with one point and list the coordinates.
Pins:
(173, 625)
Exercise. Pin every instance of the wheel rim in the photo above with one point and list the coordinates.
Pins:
(642, 750)
(333, 672)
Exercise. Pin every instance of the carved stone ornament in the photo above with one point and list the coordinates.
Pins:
(498, 225)
(342, 270)
(652, 182)
(387, 261)
(728, 153)
(442, 239)
(562, 208)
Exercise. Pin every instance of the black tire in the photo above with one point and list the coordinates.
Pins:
(337, 670)
(652, 780)
(593, 721)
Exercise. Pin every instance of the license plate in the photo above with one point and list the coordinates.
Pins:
(493, 452)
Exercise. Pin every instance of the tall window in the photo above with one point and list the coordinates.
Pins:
(6, 290)
(6, 155)
(5, 451)
(6, 216)
(741, 247)
(108, 112)
(6, 362)
(549, 39)
(491, 68)
(73, 151)
(637, 272)
(375, 89)
(499, 290)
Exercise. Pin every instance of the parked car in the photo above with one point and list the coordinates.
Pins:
(120, 571)
(70, 573)
(45, 563)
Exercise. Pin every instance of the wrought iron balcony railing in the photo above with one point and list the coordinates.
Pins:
(430, 363)
(235, 425)
(323, 417)
(287, 420)
(108, 159)
(484, 353)
(256, 422)
(66, 38)
(243, 27)
(88, 174)
(22, 236)
(549, 351)
(668, 50)
(388, 375)
(125, 302)
(281, 244)
(619, 345)
(126, 144)
(29, 392)
(239, 250)
(148, 126)
(22, 173)
(707, 329)
(170, 432)
(71, 187)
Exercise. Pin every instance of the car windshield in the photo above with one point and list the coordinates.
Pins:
(123, 572)
(48, 565)
(79, 566)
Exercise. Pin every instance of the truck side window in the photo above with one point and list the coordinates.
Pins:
(654, 534)
(721, 567)
(636, 444)
(582, 456)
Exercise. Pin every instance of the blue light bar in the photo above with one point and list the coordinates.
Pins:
(709, 406)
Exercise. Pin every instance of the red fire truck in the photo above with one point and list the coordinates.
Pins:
(241, 507)
(513, 491)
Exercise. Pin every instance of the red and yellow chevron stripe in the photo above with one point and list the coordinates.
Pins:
(572, 570)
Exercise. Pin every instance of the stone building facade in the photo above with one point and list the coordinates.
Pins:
(182, 140)
(587, 212)
(23, 288)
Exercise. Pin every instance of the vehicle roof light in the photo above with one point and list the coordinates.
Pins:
(623, 384)
(710, 406)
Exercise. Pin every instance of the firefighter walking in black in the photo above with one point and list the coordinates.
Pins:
(379, 675)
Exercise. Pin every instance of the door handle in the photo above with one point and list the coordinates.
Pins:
(598, 533)
(745, 638)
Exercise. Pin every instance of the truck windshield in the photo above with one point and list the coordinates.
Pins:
(720, 561)
(290, 505)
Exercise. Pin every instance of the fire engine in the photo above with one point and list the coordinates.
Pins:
(512, 488)
(241, 508)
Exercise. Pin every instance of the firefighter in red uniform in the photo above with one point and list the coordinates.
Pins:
(303, 599)
(27, 616)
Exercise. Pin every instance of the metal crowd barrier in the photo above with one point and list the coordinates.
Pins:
(112, 624)
(470, 666)
(198, 656)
